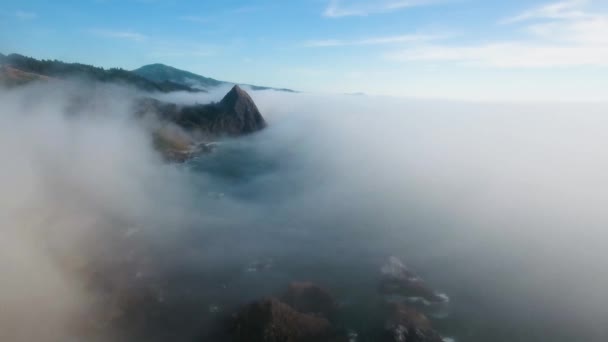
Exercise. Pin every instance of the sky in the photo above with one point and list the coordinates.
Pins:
(478, 50)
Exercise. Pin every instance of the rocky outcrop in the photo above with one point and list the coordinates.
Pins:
(398, 279)
(236, 114)
(240, 114)
(405, 324)
(270, 320)
(307, 312)
(303, 314)
(307, 297)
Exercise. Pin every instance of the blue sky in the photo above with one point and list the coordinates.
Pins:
(456, 49)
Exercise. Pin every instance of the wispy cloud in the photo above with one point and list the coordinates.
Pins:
(592, 30)
(560, 34)
(386, 40)
(124, 35)
(346, 8)
(510, 55)
(569, 9)
(25, 15)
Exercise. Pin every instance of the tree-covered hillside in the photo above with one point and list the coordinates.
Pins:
(164, 73)
(59, 69)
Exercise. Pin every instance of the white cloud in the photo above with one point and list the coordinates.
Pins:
(510, 55)
(346, 8)
(25, 15)
(568, 9)
(561, 34)
(405, 38)
(125, 35)
(590, 30)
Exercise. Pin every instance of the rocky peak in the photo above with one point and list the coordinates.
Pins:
(238, 105)
(235, 95)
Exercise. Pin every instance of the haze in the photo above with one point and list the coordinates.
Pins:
(432, 170)
(493, 199)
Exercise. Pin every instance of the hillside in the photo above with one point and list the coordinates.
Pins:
(58, 69)
(13, 77)
(164, 73)
(152, 77)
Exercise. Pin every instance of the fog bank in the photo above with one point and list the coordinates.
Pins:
(78, 175)
(499, 205)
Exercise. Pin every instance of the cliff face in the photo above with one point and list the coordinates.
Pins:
(241, 115)
(236, 114)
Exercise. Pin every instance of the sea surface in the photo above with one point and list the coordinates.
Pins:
(500, 208)
(273, 220)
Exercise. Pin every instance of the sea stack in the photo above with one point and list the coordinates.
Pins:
(240, 114)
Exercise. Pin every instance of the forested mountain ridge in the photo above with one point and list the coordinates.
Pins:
(59, 69)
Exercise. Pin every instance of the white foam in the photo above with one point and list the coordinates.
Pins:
(352, 336)
(445, 298)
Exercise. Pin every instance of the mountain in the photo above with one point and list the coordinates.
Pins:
(58, 69)
(242, 112)
(164, 73)
(154, 77)
(235, 114)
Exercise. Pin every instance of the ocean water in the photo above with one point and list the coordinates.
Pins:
(277, 219)
(499, 207)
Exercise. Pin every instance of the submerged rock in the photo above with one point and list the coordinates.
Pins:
(405, 324)
(270, 320)
(301, 315)
(307, 297)
(398, 279)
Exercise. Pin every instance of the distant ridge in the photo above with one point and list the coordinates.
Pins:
(153, 77)
(164, 73)
(161, 73)
(59, 69)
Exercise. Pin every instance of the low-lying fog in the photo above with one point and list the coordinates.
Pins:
(501, 206)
